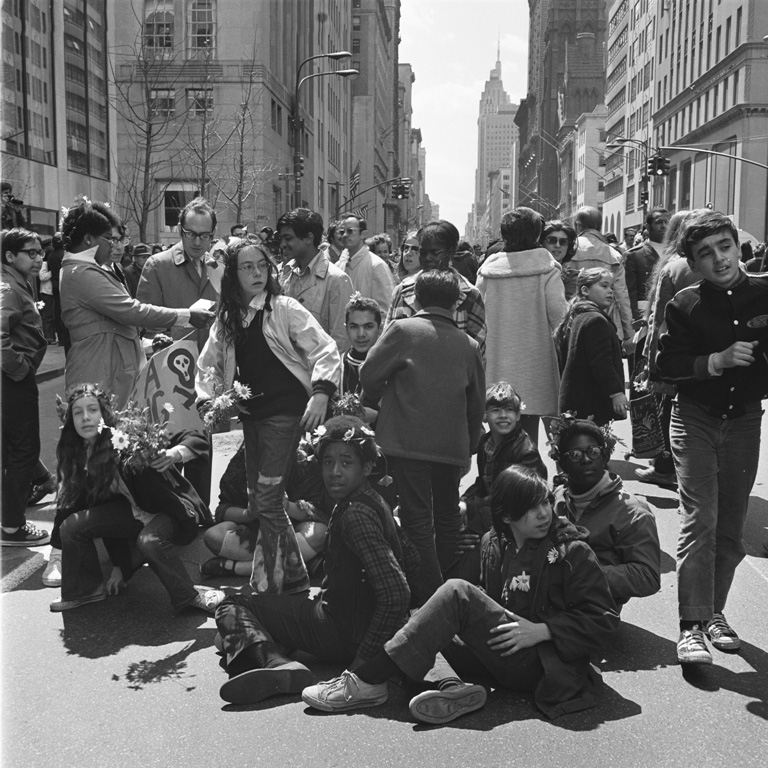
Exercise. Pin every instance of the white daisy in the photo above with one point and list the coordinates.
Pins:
(243, 391)
(119, 440)
(552, 556)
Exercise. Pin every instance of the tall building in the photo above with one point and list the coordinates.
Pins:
(206, 95)
(497, 138)
(711, 96)
(57, 122)
(557, 28)
(630, 98)
(376, 116)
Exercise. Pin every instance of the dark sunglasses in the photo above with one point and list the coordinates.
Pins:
(556, 241)
(576, 454)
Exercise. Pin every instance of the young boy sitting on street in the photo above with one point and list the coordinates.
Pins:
(714, 351)
(363, 323)
(622, 528)
(364, 598)
(505, 443)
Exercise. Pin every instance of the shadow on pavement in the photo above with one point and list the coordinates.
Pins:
(755, 533)
(633, 649)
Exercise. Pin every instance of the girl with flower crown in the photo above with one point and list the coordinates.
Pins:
(291, 366)
(140, 515)
(545, 609)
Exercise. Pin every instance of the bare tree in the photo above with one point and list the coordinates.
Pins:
(145, 78)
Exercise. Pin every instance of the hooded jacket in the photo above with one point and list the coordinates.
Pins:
(570, 594)
(592, 366)
(623, 535)
(524, 302)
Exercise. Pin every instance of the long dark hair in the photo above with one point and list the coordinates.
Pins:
(80, 471)
(232, 303)
(514, 492)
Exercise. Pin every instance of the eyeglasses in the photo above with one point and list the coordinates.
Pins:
(577, 454)
(252, 269)
(349, 231)
(556, 240)
(203, 237)
(33, 253)
(111, 240)
(410, 248)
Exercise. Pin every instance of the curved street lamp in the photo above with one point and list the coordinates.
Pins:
(296, 120)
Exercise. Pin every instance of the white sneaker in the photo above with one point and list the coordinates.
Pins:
(343, 693)
(52, 572)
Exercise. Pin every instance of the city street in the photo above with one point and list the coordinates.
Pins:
(127, 683)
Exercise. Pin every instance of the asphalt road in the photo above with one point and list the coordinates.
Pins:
(127, 683)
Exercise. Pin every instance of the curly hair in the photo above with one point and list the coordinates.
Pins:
(232, 304)
(564, 428)
(346, 429)
(516, 491)
(86, 218)
(83, 470)
(556, 225)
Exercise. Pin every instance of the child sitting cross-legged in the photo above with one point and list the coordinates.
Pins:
(545, 609)
(364, 597)
(505, 443)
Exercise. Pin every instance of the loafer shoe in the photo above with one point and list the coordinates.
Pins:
(258, 684)
(650, 475)
(442, 706)
(66, 605)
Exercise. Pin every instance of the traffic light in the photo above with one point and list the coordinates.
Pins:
(664, 164)
(399, 191)
(298, 165)
(406, 187)
(644, 197)
(653, 166)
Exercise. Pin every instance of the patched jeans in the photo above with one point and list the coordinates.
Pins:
(716, 463)
(270, 451)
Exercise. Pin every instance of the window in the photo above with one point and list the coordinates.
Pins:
(320, 192)
(175, 197)
(202, 33)
(199, 101)
(162, 103)
(158, 27)
(356, 22)
(355, 45)
(277, 118)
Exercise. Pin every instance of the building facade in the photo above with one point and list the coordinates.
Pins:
(58, 125)
(206, 93)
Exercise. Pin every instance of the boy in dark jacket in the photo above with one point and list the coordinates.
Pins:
(714, 351)
(505, 443)
(364, 598)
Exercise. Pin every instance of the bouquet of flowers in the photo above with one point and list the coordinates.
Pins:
(136, 437)
(224, 404)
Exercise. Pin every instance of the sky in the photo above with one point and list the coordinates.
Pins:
(451, 46)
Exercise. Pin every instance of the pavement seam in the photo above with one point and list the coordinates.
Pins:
(21, 572)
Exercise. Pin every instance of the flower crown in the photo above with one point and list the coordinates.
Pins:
(75, 393)
(360, 435)
(565, 420)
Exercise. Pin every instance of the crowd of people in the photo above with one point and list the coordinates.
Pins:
(367, 378)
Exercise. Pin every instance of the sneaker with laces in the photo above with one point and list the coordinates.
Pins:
(721, 634)
(344, 693)
(448, 703)
(692, 647)
(27, 536)
(207, 599)
(52, 572)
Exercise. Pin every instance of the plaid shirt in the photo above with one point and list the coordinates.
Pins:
(361, 531)
(469, 315)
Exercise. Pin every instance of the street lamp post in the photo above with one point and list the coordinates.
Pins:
(644, 191)
(297, 122)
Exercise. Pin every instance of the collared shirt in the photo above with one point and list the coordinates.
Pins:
(324, 290)
(370, 275)
(469, 314)
(23, 342)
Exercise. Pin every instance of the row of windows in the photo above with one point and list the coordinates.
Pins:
(160, 25)
(162, 102)
(33, 14)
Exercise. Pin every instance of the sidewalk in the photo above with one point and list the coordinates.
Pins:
(52, 365)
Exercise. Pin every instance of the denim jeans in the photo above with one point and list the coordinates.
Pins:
(461, 609)
(21, 446)
(716, 463)
(270, 450)
(293, 621)
(80, 567)
(429, 511)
